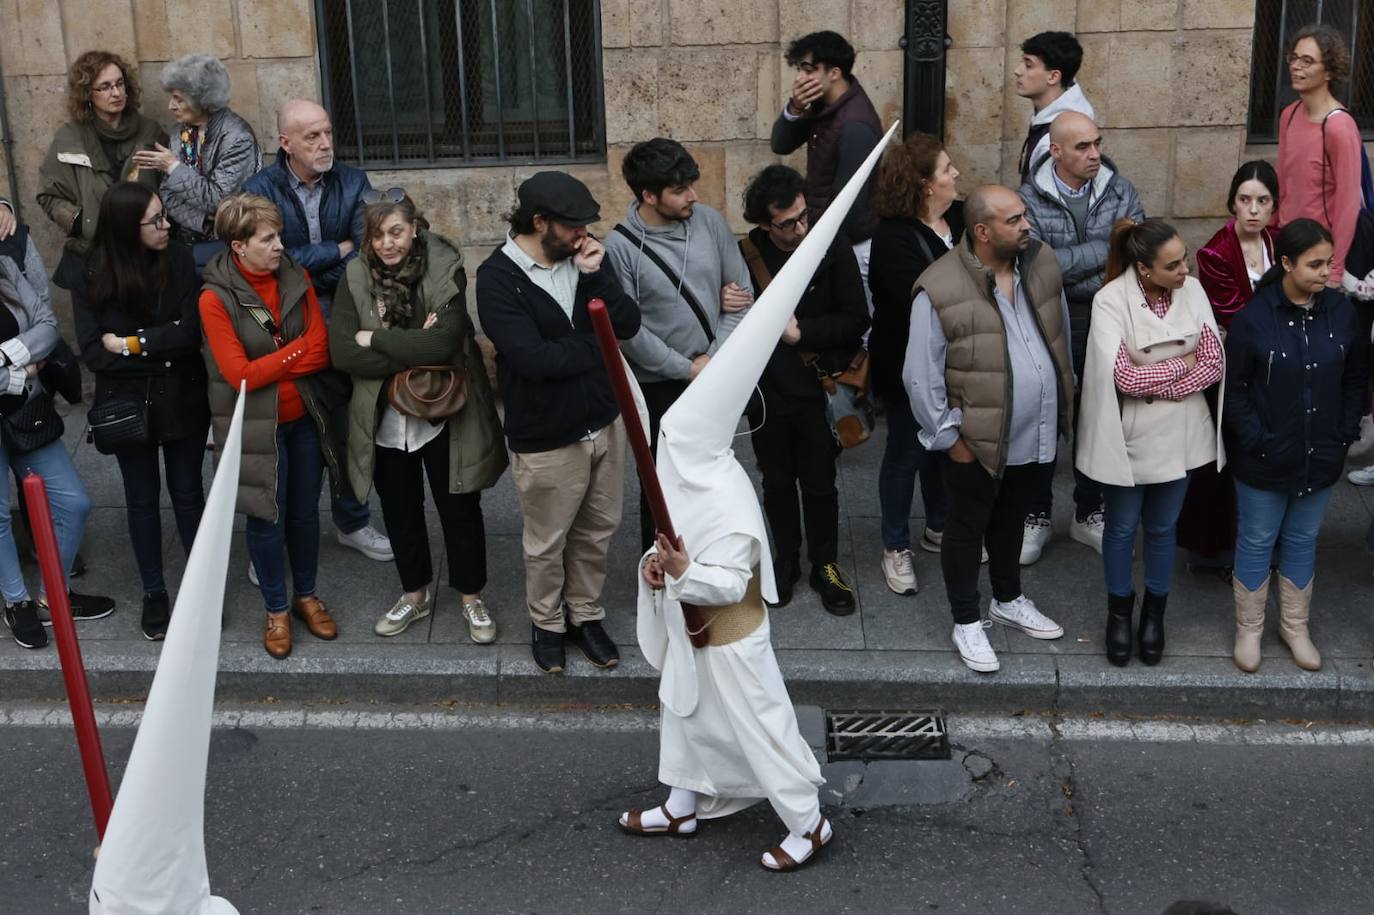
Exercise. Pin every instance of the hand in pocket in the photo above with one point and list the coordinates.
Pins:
(960, 453)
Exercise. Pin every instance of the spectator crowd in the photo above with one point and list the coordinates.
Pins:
(997, 336)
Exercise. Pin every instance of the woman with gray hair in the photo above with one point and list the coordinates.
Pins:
(213, 149)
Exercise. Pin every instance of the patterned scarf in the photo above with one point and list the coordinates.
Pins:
(189, 146)
(394, 287)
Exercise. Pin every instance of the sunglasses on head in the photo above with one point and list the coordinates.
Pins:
(391, 195)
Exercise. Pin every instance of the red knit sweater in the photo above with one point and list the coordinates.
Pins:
(305, 355)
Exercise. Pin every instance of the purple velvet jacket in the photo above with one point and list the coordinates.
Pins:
(1221, 269)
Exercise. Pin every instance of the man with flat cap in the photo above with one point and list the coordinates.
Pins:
(566, 439)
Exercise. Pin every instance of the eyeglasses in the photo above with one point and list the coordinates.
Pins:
(790, 225)
(1301, 60)
(159, 220)
(391, 194)
(105, 88)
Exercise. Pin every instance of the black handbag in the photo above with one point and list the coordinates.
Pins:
(116, 424)
(32, 426)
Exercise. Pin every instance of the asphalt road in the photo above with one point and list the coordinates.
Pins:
(500, 813)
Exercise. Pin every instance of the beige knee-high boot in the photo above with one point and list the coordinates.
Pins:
(1249, 623)
(1294, 606)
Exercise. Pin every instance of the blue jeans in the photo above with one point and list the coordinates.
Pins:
(69, 503)
(300, 469)
(1264, 518)
(1155, 506)
(903, 458)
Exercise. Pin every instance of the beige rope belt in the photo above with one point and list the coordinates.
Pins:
(736, 621)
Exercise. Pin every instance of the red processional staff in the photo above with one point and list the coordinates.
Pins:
(639, 444)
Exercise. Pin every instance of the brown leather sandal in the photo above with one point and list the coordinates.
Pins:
(634, 824)
(785, 861)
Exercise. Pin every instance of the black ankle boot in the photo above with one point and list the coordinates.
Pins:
(1119, 612)
(1151, 634)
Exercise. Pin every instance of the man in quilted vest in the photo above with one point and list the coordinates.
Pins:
(988, 374)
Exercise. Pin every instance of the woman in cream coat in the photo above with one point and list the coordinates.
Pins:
(1146, 423)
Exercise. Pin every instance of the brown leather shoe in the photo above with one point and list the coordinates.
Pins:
(316, 617)
(277, 638)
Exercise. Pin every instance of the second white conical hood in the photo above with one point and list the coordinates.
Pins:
(152, 859)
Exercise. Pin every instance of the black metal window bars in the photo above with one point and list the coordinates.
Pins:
(435, 83)
(1270, 90)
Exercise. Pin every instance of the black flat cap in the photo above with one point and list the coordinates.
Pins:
(561, 197)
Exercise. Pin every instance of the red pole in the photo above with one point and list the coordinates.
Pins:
(69, 651)
(625, 399)
(639, 444)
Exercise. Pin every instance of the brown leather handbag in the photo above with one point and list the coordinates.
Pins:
(428, 391)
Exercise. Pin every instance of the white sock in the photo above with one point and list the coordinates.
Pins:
(680, 803)
(799, 847)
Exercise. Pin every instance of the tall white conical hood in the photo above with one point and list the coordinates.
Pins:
(152, 859)
(701, 479)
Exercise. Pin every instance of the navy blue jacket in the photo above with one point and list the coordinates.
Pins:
(1295, 390)
(548, 368)
(341, 218)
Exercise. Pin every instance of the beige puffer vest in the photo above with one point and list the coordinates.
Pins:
(977, 378)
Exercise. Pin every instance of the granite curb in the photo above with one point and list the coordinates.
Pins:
(505, 675)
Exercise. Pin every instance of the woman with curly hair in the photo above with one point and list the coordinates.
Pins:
(93, 151)
(210, 153)
(1319, 145)
(921, 220)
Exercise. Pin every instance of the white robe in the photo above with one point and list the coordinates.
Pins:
(739, 743)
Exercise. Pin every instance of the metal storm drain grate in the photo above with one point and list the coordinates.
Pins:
(870, 734)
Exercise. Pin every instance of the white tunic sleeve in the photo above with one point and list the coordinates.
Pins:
(719, 575)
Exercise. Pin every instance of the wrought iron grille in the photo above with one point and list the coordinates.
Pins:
(1270, 91)
(421, 83)
(872, 734)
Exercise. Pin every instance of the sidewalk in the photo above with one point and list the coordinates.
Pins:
(894, 652)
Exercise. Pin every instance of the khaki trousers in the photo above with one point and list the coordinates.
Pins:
(572, 498)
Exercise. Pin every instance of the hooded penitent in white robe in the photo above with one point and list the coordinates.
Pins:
(152, 858)
(729, 730)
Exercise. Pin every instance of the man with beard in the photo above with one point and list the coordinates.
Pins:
(566, 439)
(990, 382)
(679, 260)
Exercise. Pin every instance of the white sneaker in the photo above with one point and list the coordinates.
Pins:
(402, 614)
(481, 627)
(1022, 614)
(1362, 477)
(369, 541)
(252, 574)
(1089, 531)
(1034, 538)
(974, 649)
(900, 571)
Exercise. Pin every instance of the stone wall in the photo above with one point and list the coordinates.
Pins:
(710, 73)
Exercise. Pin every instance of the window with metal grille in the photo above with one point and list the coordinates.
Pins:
(1270, 90)
(419, 83)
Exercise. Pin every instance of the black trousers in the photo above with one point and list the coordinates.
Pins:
(1087, 492)
(658, 397)
(400, 480)
(984, 512)
(796, 451)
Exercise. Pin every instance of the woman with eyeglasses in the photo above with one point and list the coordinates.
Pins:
(400, 306)
(1319, 146)
(92, 152)
(138, 327)
(264, 329)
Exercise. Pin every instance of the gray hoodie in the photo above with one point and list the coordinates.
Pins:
(704, 254)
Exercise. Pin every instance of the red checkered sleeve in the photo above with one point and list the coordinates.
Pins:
(1206, 373)
(1146, 380)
